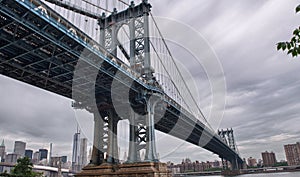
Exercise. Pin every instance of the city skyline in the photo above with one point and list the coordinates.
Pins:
(262, 84)
(82, 142)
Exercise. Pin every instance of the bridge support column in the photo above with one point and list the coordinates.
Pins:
(235, 165)
(134, 153)
(112, 150)
(98, 151)
(151, 154)
(224, 164)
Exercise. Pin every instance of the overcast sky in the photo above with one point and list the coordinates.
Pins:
(262, 96)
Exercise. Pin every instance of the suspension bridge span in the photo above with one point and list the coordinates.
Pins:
(110, 79)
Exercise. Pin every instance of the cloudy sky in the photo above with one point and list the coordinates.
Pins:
(262, 85)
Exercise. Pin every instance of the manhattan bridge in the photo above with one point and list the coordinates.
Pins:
(100, 54)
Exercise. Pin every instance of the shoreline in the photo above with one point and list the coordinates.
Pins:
(234, 173)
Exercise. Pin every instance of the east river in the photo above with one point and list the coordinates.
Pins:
(283, 174)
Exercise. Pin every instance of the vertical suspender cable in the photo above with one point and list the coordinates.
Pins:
(185, 84)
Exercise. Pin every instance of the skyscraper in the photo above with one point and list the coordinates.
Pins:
(28, 153)
(269, 159)
(20, 148)
(76, 152)
(43, 154)
(292, 153)
(2, 151)
(83, 152)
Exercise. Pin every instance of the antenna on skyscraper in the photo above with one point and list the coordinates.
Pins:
(78, 129)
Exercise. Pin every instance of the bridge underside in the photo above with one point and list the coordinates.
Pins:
(45, 54)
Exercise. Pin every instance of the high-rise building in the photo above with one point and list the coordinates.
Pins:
(20, 148)
(50, 154)
(36, 157)
(83, 152)
(292, 153)
(28, 153)
(12, 158)
(2, 151)
(269, 159)
(76, 152)
(43, 154)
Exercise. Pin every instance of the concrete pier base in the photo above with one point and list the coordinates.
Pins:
(142, 169)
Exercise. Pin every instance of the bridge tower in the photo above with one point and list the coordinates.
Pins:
(141, 130)
(136, 18)
(228, 137)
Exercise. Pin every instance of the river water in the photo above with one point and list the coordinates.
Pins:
(283, 174)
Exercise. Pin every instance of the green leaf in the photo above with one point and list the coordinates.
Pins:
(298, 50)
(283, 46)
(294, 53)
(279, 46)
(289, 45)
(293, 39)
(296, 32)
(298, 8)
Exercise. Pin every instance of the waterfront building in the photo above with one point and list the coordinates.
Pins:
(216, 164)
(2, 151)
(20, 148)
(28, 153)
(292, 153)
(173, 168)
(202, 166)
(188, 166)
(269, 159)
(252, 162)
(43, 154)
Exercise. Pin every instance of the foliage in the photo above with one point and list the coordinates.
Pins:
(23, 168)
(280, 164)
(5, 174)
(293, 46)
